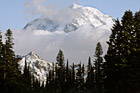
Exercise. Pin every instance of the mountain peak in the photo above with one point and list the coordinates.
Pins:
(38, 66)
(79, 16)
(73, 6)
(31, 53)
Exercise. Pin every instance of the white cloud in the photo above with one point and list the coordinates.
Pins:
(52, 9)
(42, 33)
(77, 46)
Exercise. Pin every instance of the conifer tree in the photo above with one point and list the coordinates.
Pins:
(67, 78)
(120, 57)
(128, 42)
(98, 68)
(1, 65)
(1, 44)
(83, 78)
(9, 43)
(60, 59)
(136, 51)
(53, 79)
(49, 88)
(56, 79)
(73, 81)
(90, 77)
(114, 58)
(67, 71)
(89, 64)
(79, 77)
(10, 66)
(27, 78)
(92, 73)
(61, 70)
(137, 30)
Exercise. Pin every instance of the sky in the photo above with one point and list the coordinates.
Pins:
(14, 16)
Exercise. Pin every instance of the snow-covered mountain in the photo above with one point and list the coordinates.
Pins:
(38, 66)
(85, 16)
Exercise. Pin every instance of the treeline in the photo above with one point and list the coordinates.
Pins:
(63, 78)
(117, 72)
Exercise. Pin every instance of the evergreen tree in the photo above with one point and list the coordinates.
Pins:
(60, 59)
(136, 51)
(67, 78)
(67, 71)
(1, 65)
(114, 59)
(128, 53)
(121, 56)
(27, 78)
(9, 53)
(98, 68)
(128, 42)
(9, 44)
(34, 84)
(73, 81)
(61, 70)
(11, 73)
(79, 77)
(90, 77)
(83, 79)
(53, 79)
(89, 64)
(50, 81)
(56, 79)
(92, 73)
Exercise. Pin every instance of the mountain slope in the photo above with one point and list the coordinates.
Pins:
(38, 66)
(84, 16)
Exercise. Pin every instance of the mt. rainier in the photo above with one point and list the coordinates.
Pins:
(79, 16)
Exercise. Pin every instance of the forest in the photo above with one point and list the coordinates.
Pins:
(118, 71)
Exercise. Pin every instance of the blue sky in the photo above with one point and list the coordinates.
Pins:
(13, 14)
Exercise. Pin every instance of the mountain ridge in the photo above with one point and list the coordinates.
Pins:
(84, 16)
(37, 65)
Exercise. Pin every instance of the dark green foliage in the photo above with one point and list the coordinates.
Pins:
(1, 65)
(9, 44)
(10, 75)
(136, 54)
(27, 78)
(113, 58)
(98, 68)
(80, 77)
(61, 71)
(60, 59)
(67, 77)
(122, 57)
(73, 76)
(90, 80)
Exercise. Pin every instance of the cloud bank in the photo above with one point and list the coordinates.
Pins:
(77, 46)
